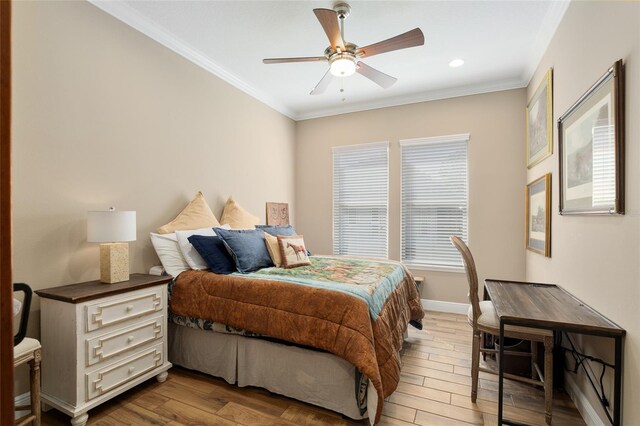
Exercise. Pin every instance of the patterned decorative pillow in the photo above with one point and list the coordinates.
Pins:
(293, 251)
(237, 217)
(247, 247)
(273, 248)
(196, 215)
(214, 253)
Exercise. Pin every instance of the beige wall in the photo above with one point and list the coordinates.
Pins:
(597, 258)
(103, 116)
(495, 122)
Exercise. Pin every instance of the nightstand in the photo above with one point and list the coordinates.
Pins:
(98, 340)
(419, 282)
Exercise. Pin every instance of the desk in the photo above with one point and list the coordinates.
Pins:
(551, 307)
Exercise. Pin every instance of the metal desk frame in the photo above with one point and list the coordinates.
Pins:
(550, 323)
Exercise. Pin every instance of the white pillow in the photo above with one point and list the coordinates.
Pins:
(168, 251)
(187, 249)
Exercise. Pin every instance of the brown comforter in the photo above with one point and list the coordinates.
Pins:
(335, 322)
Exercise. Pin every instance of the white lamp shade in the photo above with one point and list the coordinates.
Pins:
(111, 226)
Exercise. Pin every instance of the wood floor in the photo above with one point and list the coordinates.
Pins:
(434, 390)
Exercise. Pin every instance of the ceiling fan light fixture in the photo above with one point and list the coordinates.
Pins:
(343, 65)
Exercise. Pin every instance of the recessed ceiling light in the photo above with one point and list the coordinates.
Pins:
(456, 63)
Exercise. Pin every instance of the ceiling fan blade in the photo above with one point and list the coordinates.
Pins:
(329, 20)
(409, 39)
(322, 84)
(381, 79)
(285, 60)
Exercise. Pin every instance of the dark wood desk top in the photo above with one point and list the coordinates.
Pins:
(82, 292)
(547, 306)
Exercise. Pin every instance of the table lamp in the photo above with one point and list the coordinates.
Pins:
(112, 229)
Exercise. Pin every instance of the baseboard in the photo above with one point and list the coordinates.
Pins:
(589, 414)
(24, 399)
(442, 306)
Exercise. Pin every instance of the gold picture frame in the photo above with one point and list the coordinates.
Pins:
(539, 122)
(538, 215)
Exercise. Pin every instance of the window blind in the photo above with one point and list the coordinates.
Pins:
(434, 200)
(360, 199)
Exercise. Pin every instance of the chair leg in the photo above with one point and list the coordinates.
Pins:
(475, 365)
(548, 378)
(534, 360)
(34, 373)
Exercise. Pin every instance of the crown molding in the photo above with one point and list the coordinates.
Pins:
(134, 19)
(414, 98)
(547, 31)
(131, 17)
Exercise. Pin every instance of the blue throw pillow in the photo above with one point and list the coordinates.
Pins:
(247, 247)
(214, 252)
(276, 230)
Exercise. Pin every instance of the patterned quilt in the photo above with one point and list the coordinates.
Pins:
(357, 309)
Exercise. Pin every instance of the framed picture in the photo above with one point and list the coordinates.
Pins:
(538, 220)
(540, 122)
(277, 214)
(591, 142)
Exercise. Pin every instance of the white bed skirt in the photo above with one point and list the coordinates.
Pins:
(314, 377)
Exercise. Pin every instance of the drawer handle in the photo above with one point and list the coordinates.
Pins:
(131, 369)
(97, 318)
(129, 308)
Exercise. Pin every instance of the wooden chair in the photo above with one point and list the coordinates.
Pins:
(27, 350)
(483, 319)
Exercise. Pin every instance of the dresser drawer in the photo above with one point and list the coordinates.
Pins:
(108, 312)
(118, 342)
(120, 373)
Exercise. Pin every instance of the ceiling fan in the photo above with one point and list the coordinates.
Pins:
(345, 58)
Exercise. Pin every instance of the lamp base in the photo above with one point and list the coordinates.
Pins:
(114, 262)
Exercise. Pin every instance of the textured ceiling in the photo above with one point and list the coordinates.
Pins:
(500, 41)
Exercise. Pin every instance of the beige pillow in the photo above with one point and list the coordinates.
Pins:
(196, 215)
(237, 217)
(273, 248)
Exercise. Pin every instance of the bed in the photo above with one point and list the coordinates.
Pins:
(328, 333)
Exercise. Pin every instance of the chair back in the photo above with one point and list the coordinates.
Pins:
(24, 312)
(472, 276)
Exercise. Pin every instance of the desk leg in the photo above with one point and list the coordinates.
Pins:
(617, 391)
(501, 373)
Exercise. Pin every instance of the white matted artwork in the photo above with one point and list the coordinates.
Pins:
(591, 141)
(538, 219)
(539, 122)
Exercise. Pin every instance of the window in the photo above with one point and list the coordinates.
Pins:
(360, 199)
(434, 200)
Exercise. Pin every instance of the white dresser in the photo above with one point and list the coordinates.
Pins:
(98, 340)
